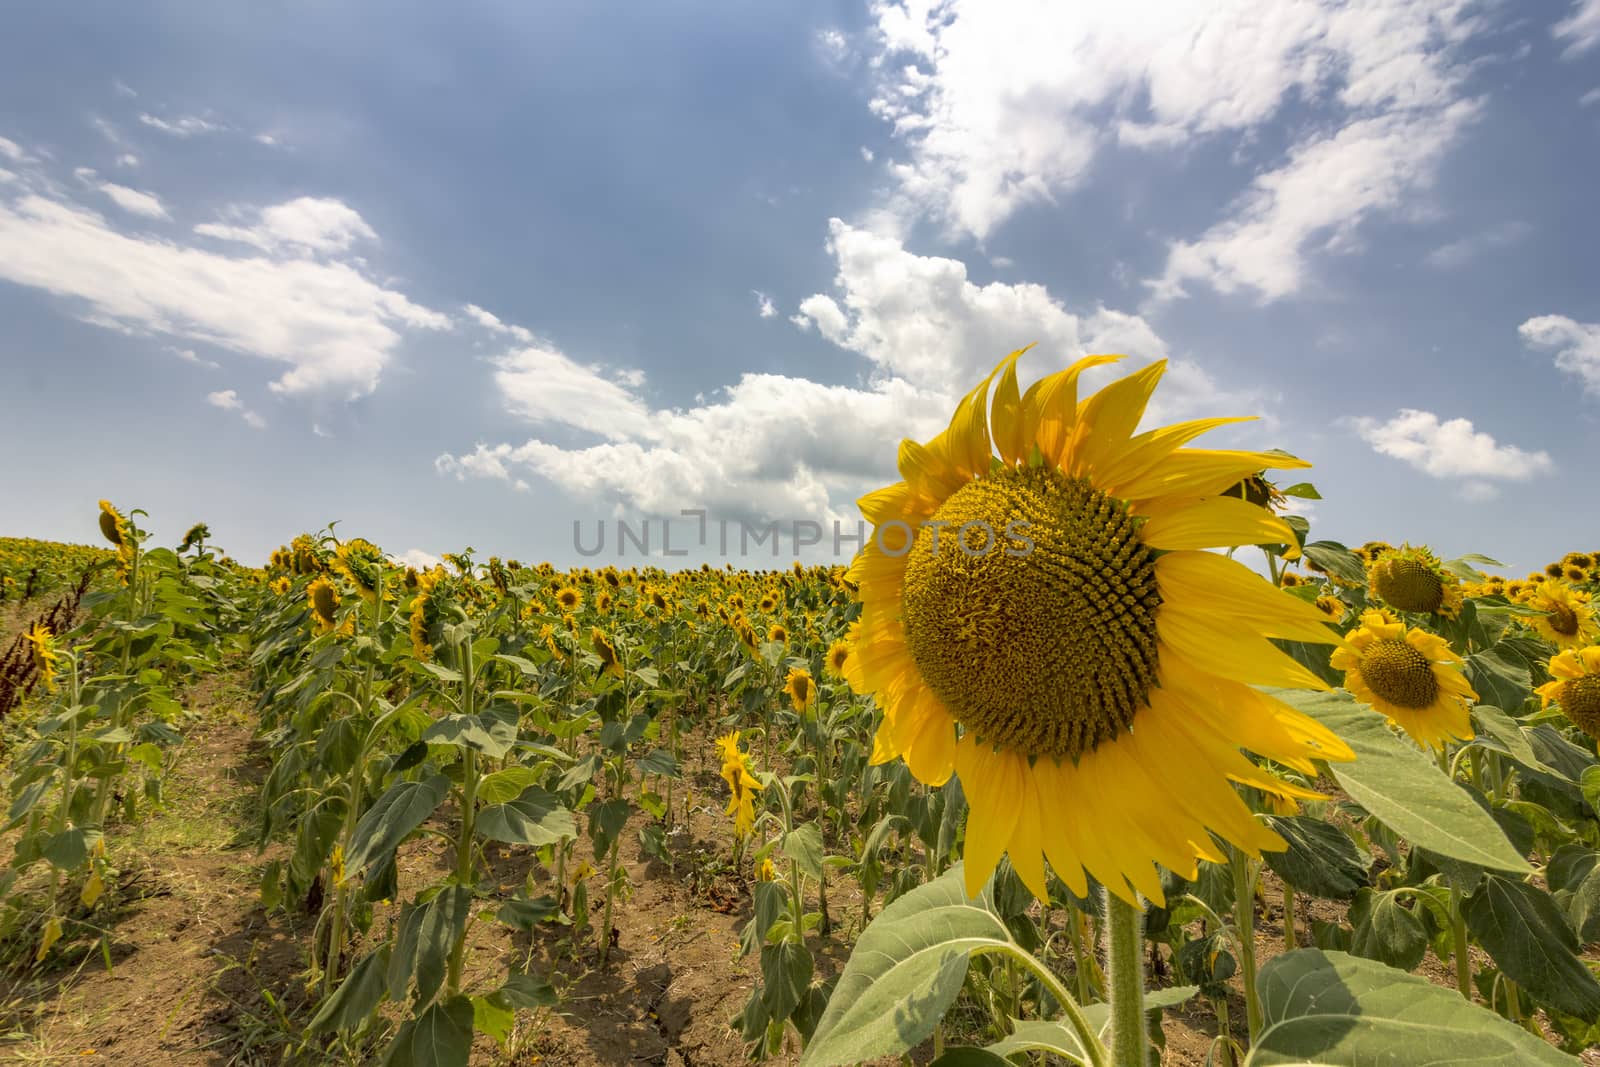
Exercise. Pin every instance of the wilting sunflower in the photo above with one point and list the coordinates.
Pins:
(1068, 648)
(838, 656)
(426, 611)
(113, 527)
(42, 646)
(362, 562)
(610, 662)
(742, 785)
(323, 596)
(1568, 620)
(1575, 686)
(1411, 579)
(1411, 676)
(802, 689)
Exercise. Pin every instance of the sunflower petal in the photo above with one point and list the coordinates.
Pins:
(1212, 522)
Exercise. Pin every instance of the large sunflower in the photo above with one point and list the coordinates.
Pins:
(1575, 686)
(1568, 620)
(1412, 579)
(1411, 676)
(1047, 626)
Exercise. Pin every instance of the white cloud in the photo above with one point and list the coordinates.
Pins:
(1001, 106)
(147, 205)
(1316, 201)
(780, 447)
(1590, 97)
(123, 88)
(184, 126)
(8, 177)
(266, 139)
(764, 305)
(316, 224)
(12, 151)
(416, 557)
(1449, 448)
(127, 159)
(228, 400)
(490, 321)
(188, 356)
(1462, 251)
(542, 385)
(333, 326)
(1580, 29)
(1578, 344)
(866, 154)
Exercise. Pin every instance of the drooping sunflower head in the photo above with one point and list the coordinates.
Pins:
(802, 689)
(742, 784)
(1568, 620)
(194, 535)
(838, 656)
(1049, 625)
(42, 647)
(113, 527)
(427, 614)
(610, 662)
(323, 597)
(1412, 579)
(1409, 675)
(1575, 686)
(362, 562)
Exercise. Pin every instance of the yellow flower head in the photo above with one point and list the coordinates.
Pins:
(547, 634)
(776, 632)
(281, 585)
(610, 662)
(363, 563)
(1411, 579)
(42, 646)
(838, 656)
(323, 596)
(742, 785)
(113, 527)
(425, 611)
(1410, 676)
(1568, 620)
(569, 598)
(765, 871)
(1331, 606)
(1052, 627)
(801, 688)
(1575, 687)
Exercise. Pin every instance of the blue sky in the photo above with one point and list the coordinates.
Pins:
(465, 277)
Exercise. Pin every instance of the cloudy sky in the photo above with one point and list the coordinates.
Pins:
(461, 276)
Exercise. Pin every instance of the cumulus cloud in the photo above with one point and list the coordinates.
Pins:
(306, 223)
(332, 325)
(228, 400)
(416, 557)
(764, 305)
(1577, 345)
(489, 321)
(773, 446)
(1450, 448)
(1580, 30)
(147, 205)
(1001, 106)
(13, 151)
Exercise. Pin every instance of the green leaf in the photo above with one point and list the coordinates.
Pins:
(906, 969)
(1384, 930)
(1574, 877)
(527, 991)
(439, 1037)
(1523, 929)
(492, 1017)
(968, 1056)
(1337, 560)
(1320, 860)
(1500, 677)
(444, 924)
(1405, 789)
(523, 914)
(400, 810)
(1303, 490)
(785, 977)
(357, 997)
(1037, 1035)
(503, 785)
(1328, 1007)
(659, 761)
(488, 734)
(70, 849)
(1503, 728)
(803, 845)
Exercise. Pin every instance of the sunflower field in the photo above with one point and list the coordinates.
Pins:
(1093, 754)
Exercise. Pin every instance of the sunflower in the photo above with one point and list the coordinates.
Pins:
(42, 645)
(838, 656)
(1568, 620)
(802, 689)
(765, 871)
(113, 527)
(569, 598)
(362, 562)
(1411, 579)
(425, 612)
(742, 785)
(1069, 648)
(610, 662)
(547, 634)
(1331, 606)
(323, 596)
(1409, 675)
(776, 632)
(280, 585)
(1575, 686)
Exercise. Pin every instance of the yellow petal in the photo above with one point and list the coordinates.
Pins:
(1241, 656)
(1010, 427)
(1195, 472)
(1050, 407)
(1107, 419)
(994, 793)
(1212, 522)
(1202, 584)
(1151, 448)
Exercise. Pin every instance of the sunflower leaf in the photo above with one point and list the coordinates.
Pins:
(1404, 789)
(1329, 1007)
(906, 969)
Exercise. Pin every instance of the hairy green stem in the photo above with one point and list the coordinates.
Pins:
(1123, 943)
(1244, 920)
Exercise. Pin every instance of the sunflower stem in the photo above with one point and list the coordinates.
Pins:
(1458, 930)
(1123, 939)
(1244, 920)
